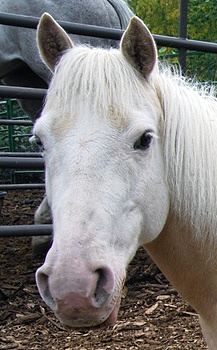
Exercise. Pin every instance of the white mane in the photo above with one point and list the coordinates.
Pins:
(190, 143)
(89, 79)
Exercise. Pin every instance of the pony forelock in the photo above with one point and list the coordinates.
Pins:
(96, 80)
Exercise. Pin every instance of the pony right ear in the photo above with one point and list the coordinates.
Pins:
(138, 47)
(52, 40)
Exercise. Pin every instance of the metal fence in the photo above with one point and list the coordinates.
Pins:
(30, 162)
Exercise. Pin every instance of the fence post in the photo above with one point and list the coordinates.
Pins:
(183, 22)
(10, 127)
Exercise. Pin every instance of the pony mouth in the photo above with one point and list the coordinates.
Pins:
(87, 316)
(110, 321)
(87, 323)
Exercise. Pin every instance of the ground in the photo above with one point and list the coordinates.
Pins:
(152, 315)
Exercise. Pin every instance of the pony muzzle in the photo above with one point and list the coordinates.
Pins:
(92, 299)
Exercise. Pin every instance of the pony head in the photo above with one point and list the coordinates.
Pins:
(105, 176)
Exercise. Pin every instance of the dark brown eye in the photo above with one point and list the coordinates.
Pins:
(144, 141)
(38, 142)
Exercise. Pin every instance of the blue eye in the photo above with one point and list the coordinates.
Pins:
(144, 141)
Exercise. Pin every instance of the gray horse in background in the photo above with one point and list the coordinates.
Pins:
(20, 64)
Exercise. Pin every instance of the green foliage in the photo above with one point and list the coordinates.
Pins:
(162, 17)
(16, 139)
(202, 15)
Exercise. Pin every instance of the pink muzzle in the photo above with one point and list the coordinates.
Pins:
(84, 299)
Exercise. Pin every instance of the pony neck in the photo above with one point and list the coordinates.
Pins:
(189, 265)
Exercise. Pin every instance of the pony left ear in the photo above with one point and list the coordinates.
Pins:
(52, 40)
(138, 47)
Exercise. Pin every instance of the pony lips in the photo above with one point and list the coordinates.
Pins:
(113, 316)
(86, 315)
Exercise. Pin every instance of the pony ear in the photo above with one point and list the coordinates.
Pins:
(52, 40)
(138, 47)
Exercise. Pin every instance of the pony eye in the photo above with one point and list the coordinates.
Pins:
(38, 142)
(144, 141)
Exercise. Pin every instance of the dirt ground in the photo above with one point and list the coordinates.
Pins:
(152, 315)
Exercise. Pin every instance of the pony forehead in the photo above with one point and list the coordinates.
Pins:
(96, 81)
(132, 122)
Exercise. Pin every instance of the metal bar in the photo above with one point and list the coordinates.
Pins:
(21, 92)
(183, 22)
(21, 163)
(21, 154)
(25, 230)
(12, 187)
(183, 19)
(15, 122)
(18, 20)
(109, 33)
(72, 28)
(185, 43)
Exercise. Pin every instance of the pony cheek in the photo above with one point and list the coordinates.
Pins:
(154, 222)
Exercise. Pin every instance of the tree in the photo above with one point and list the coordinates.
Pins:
(161, 17)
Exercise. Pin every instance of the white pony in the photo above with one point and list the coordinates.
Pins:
(130, 155)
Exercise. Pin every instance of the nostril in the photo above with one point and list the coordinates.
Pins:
(104, 286)
(42, 280)
(43, 287)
